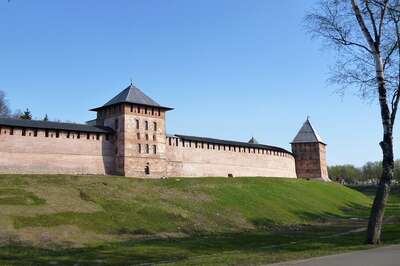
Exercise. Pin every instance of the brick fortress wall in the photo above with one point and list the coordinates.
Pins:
(196, 159)
(35, 151)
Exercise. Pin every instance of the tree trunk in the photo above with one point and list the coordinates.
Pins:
(378, 208)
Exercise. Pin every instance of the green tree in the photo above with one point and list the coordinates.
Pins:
(349, 173)
(372, 170)
(26, 115)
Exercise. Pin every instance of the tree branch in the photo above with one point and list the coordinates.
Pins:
(363, 27)
(395, 104)
(373, 22)
(382, 19)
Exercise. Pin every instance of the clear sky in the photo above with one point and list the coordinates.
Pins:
(232, 69)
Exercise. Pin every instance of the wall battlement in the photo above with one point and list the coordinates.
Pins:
(128, 138)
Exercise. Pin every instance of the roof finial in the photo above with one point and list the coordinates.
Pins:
(308, 118)
(131, 82)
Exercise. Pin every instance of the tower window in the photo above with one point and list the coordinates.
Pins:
(131, 108)
(147, 136)
(154, 149)
(23, 132)
(46, 134)
(155, 126)
(154, 137)
(145, 111)
(78, 135)
(146, 125)
(138, 135)
(116, 123)
(68, 135)
(97, 136)
(35, 133)
(147, 148)
(57, 134)
(139, 148)
(137, 124)
(88, 135)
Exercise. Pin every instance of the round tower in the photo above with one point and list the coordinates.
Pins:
(309, 151)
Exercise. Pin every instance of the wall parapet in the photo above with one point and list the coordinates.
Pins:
(225, 146)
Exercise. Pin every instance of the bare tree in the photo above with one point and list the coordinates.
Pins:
(366, 36)
(4, 109)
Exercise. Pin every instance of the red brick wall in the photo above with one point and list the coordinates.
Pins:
(29, 154)
(130, 161)
(310, 160)
(210, 160)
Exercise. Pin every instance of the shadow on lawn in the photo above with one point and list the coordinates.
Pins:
(311, 239)
(281, 243)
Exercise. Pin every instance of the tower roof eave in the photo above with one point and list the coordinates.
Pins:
(144, 105)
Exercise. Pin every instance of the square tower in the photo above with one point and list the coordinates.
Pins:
(140, 133)
(309, 151)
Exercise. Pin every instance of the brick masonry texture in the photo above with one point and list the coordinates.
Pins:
(51, 155)
(140, 147)
(190, 161)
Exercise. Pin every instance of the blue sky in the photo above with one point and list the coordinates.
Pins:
(232, 69)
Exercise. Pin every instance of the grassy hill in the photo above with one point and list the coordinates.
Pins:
(53, 214)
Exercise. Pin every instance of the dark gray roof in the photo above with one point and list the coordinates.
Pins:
(132, 95)
(19, 123)
(308, 134)
(253, 141)
(232, 143)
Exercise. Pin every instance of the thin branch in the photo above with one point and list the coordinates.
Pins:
(390, 53)
(373, 22)
(350, 43)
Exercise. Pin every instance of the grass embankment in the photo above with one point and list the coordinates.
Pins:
(111, 220)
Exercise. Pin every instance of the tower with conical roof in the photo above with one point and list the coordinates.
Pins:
(309, 151)
(140, 133)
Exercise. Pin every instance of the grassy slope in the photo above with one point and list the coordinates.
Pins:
(182, 220)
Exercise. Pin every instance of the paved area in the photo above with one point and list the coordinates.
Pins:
(386, 256)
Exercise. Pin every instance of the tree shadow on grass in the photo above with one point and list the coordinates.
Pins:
(273, 247)
(352, 215)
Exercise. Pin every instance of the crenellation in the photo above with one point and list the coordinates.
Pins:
(129, 138)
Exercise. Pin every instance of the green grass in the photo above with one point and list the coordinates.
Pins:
(392, 211)
(14, 196)
(209, 221)
(201, 205)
